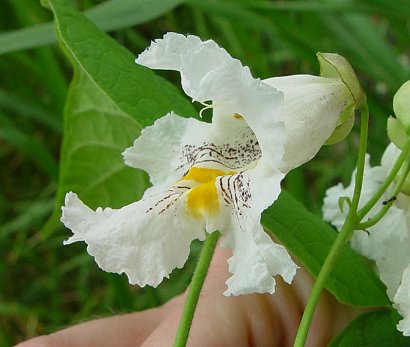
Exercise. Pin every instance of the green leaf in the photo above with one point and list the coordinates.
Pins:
(109, 15)
(96, 132)
(372, 329)
(304, 234)
(135, 89)
(110, 100)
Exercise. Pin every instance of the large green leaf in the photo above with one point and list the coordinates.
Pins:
(95, 134)
(110, 100)
(352, 281)
(371, 330)
(136, 90)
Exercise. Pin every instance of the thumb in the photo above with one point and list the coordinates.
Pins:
(127, 330)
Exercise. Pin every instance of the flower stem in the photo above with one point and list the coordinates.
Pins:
(195, 289)
(343, 236)
(320, 283)
(364, 125)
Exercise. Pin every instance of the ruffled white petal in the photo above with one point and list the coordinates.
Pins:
(159, 150)
(253, 191)
(192, 57)
(311, 110)
(237, 93)
(145, 240)
(402, 302)
(255, 261)
(265, 190)
(256, 258)
(208, 72)
(166, 53)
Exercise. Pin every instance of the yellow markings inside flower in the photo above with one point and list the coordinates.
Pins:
(202, 199)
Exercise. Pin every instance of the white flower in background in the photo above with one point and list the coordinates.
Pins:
(402, 302)
(388, 242)
(212, 176)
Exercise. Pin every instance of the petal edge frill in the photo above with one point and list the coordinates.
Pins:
(255, 261)
(189, 55)
(145, 240)
(166, 53)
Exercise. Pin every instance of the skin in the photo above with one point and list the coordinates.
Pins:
(246, 320)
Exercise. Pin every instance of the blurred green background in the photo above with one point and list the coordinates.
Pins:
(45, 286)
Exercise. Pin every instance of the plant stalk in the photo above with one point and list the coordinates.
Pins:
(343, 236)
(194, 290)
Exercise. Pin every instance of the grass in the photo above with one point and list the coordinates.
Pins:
(46, 286)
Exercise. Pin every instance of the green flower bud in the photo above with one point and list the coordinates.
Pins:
(396, 132)
(401, 106)
(341, 131)
(335, 66)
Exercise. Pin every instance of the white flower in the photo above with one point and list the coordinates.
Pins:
(388, 242)
(402, 301)
(212, 176)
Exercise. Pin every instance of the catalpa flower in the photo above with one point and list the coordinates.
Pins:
(388, 242)
(212, 176)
